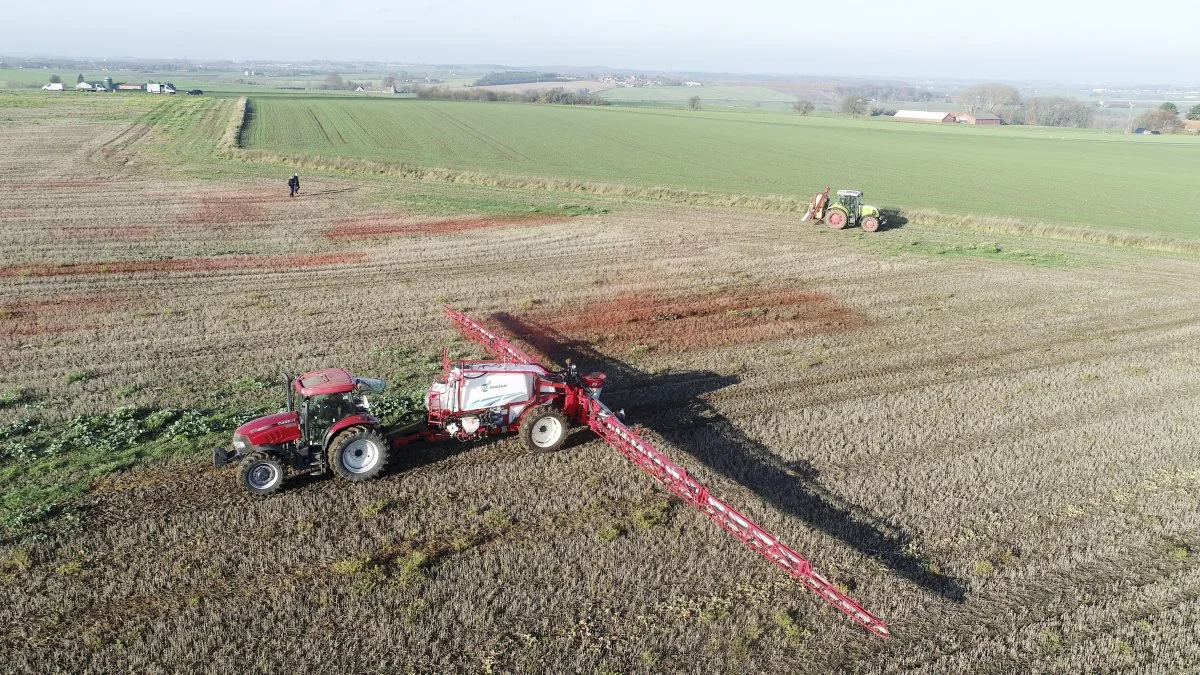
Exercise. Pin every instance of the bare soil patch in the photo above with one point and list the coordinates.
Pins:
(698, 320)
(6, 214)
(51, 184)
(239, 262)
(223, 210)
(110, 233)
(372, 227)
(44, 316)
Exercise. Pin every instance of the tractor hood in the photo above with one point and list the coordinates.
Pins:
(271, 429)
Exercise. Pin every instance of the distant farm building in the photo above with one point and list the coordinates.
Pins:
(693, 84)
(924, 116)
(1192, 126)
(129, 87)
(984, 119)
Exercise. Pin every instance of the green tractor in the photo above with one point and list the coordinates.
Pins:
(847, 210)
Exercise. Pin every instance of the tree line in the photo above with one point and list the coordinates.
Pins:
(517, 77)
(556, 96)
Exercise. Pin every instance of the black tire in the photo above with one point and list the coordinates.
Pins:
(543, 429)
(358, 453)
(261, 473)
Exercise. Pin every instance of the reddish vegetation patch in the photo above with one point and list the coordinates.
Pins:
(237, 262)
(44, 316)
(371, 227)
(224, 209)
(50, 184)
(696, 321)
(12, 213)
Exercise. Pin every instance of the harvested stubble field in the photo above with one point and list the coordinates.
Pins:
(995, 450)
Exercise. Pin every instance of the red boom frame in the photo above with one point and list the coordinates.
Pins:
(590, 411)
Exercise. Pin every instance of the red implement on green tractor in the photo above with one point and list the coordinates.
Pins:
(847, 210)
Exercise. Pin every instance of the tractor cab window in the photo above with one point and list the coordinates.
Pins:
(849, 201)
(322, 411)
(369, 385)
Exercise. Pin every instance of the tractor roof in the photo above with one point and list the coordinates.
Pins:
(849, 193)
(328, 381)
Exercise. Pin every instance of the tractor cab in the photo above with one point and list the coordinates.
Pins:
(327, 397)
(852, 200)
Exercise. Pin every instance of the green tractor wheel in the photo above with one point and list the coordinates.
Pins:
(835, 219)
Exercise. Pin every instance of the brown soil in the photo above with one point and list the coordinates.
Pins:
(371, 227)
(239, 262)
(13, 213)
(41, 316)
(699, 320)
(50, 184)
(225, 209)
(107, 233)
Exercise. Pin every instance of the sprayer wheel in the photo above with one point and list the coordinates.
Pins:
(543, 429)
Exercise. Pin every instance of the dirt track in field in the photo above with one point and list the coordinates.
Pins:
(997, 458)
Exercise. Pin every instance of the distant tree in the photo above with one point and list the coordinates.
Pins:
(1169, 107)
(1054, 111)
(79, 79)
(694, 103)
(803, 107)
(389, 80)
(1158, 119)
(853, 104)
(55, 78)
(334, 81)
(1194, 113)
(1001, 100)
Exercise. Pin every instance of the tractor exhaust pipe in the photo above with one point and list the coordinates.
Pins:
(287, 392)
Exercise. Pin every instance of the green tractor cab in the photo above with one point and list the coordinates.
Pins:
(849, 210)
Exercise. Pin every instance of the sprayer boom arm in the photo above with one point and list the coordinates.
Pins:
(601, 420)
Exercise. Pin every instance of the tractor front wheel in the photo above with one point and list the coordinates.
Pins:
(544, 429)
(870, 224)
(358, 453)
(260, 473)
(835, 219)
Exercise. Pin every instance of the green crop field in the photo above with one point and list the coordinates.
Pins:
(728, 95)
(1079, 177)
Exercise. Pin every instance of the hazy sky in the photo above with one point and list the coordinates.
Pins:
(1069, 40)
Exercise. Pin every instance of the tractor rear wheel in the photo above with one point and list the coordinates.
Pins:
(261, 473)
(544, 429)
(835, 219)
(358, 453)
(870, 224)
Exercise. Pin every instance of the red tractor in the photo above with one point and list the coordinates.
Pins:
(333, 428)
(329, 427)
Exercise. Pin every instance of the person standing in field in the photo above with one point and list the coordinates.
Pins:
(294, 184)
